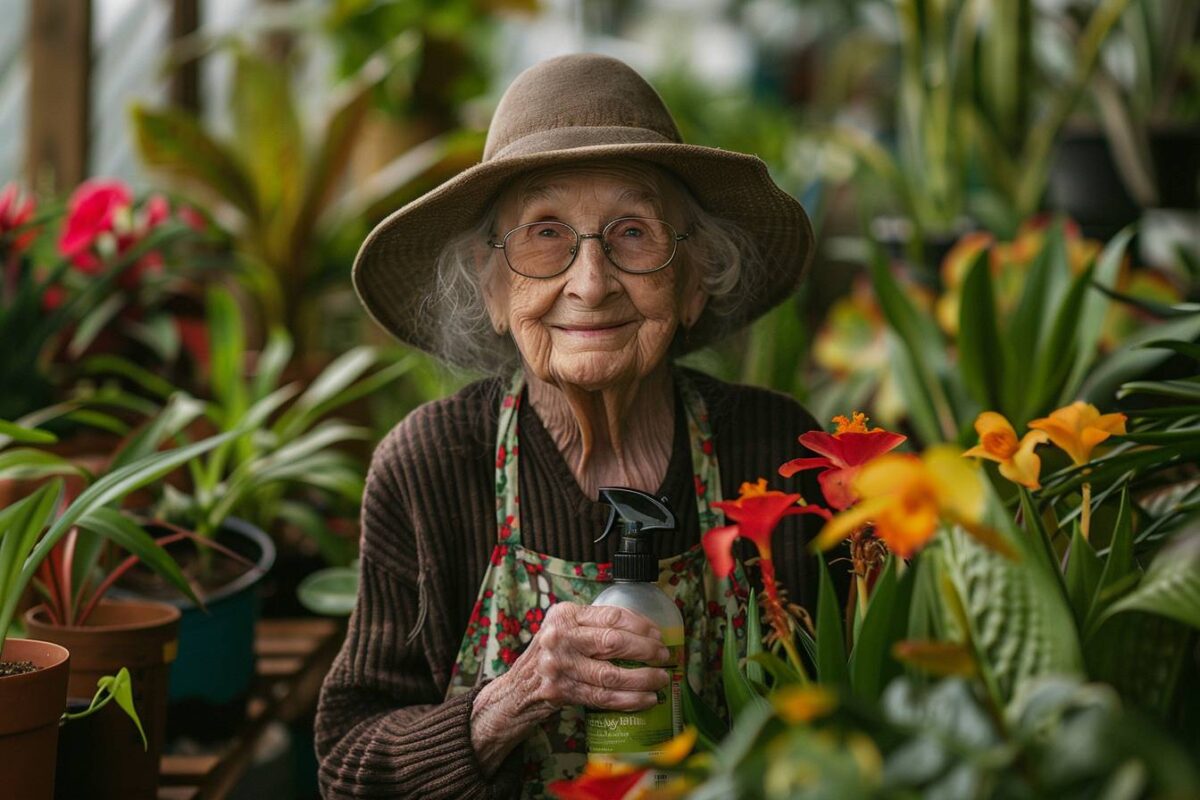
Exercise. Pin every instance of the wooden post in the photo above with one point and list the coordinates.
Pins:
(60, 58)
(185, 80)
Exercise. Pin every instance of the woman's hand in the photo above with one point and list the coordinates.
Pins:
(567, 663)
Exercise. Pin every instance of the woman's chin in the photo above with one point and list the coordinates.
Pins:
(594, 371)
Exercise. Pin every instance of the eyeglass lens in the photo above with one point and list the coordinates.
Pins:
(544, 249)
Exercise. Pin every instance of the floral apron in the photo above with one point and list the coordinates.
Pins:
(520, 585)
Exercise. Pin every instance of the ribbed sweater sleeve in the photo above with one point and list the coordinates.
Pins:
(383, 727)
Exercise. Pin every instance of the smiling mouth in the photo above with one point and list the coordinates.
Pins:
(593, 330)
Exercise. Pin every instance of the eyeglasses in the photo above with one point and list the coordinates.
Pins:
(637, 245)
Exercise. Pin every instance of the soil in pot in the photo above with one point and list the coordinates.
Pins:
(32, 703)
(107, 757)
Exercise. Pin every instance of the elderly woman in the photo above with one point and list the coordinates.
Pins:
(588, 250)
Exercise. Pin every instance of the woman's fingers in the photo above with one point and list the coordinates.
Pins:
(609, 632)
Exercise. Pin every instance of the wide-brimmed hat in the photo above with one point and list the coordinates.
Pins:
(574, 109)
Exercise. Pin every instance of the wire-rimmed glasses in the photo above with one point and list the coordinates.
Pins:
(638, 245)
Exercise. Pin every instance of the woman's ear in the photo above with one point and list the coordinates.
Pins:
(495, 297)
(693, 301)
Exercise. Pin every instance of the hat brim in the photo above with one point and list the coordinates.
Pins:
(395, 270)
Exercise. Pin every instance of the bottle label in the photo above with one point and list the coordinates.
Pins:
(611, 734)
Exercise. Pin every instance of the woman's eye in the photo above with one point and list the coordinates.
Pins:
(630, 230)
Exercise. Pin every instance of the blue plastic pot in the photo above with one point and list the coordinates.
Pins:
(212, 674)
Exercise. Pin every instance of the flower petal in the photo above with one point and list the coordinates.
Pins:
(957, 482)
(800, 464)
(677, 749)
(843, 524)
(824, 444)
(718, 547)
(837, 486)
(592, 786)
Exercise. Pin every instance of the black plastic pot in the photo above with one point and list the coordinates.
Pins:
(1086, 184)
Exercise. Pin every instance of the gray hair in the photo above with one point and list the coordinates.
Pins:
(726, 257)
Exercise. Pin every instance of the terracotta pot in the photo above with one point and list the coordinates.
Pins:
(102, 756)
(32, 705)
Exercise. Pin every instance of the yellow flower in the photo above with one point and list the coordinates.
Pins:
(798, 704)
(676, 750)
(1078, 428)
(998, 442)
(906, 498)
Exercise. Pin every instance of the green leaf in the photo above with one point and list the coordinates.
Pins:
(129, 536)
(174, 141)
(271, 362)
(1133, 358)
(782, 672)
(93, 322)
(1118, 564)
(266, 132)
(923, 349)
(12, 432)
(228, 352)
(25, 463)
(886, 622)
(332, 591)
(981, 357)
(739, 694)
(122, 691)
(1189, 349)
(1043, 285)
(105, 490)
(1171, 585)
(1040, 547)
(20, 525)
(343, 371)
(116, 365)
(181, 410)
(1083, 575)
(1056, 353)
(754, 641)
(831, 642)
(1095, 307)
(1019, 622)
(710, 729)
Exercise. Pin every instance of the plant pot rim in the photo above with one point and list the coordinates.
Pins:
(249, 578)
(167, 614)
(59, 656)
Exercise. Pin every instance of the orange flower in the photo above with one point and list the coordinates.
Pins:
(1078, 428)
(906, 498)
(998, 442)
(803, 704)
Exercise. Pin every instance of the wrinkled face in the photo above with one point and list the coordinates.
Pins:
(593, 326)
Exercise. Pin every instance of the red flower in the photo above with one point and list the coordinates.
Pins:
(91, 212)
(14, 214)
(707, 447)
(53, 297)
(842, 454)
(592, 785)
(501, 456)
(756, 511)
(508, 655)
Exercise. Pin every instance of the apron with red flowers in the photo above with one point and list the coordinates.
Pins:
(520, 585)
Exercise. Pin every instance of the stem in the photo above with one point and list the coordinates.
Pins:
(861, 581)
(778, 617)
(1085, 519)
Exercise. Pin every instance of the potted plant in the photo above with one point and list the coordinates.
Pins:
(105, 635)
(34, 688)
(1002, 628)
(281, 443)
(85, 278)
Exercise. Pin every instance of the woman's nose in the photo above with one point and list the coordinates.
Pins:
(592, 277)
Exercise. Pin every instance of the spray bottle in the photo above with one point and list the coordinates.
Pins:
(635, 575)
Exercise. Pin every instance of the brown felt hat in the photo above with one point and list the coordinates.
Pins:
(573, 109)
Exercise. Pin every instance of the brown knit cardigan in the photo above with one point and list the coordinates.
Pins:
(384, 728)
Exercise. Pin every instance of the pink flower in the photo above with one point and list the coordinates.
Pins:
(91, 212)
